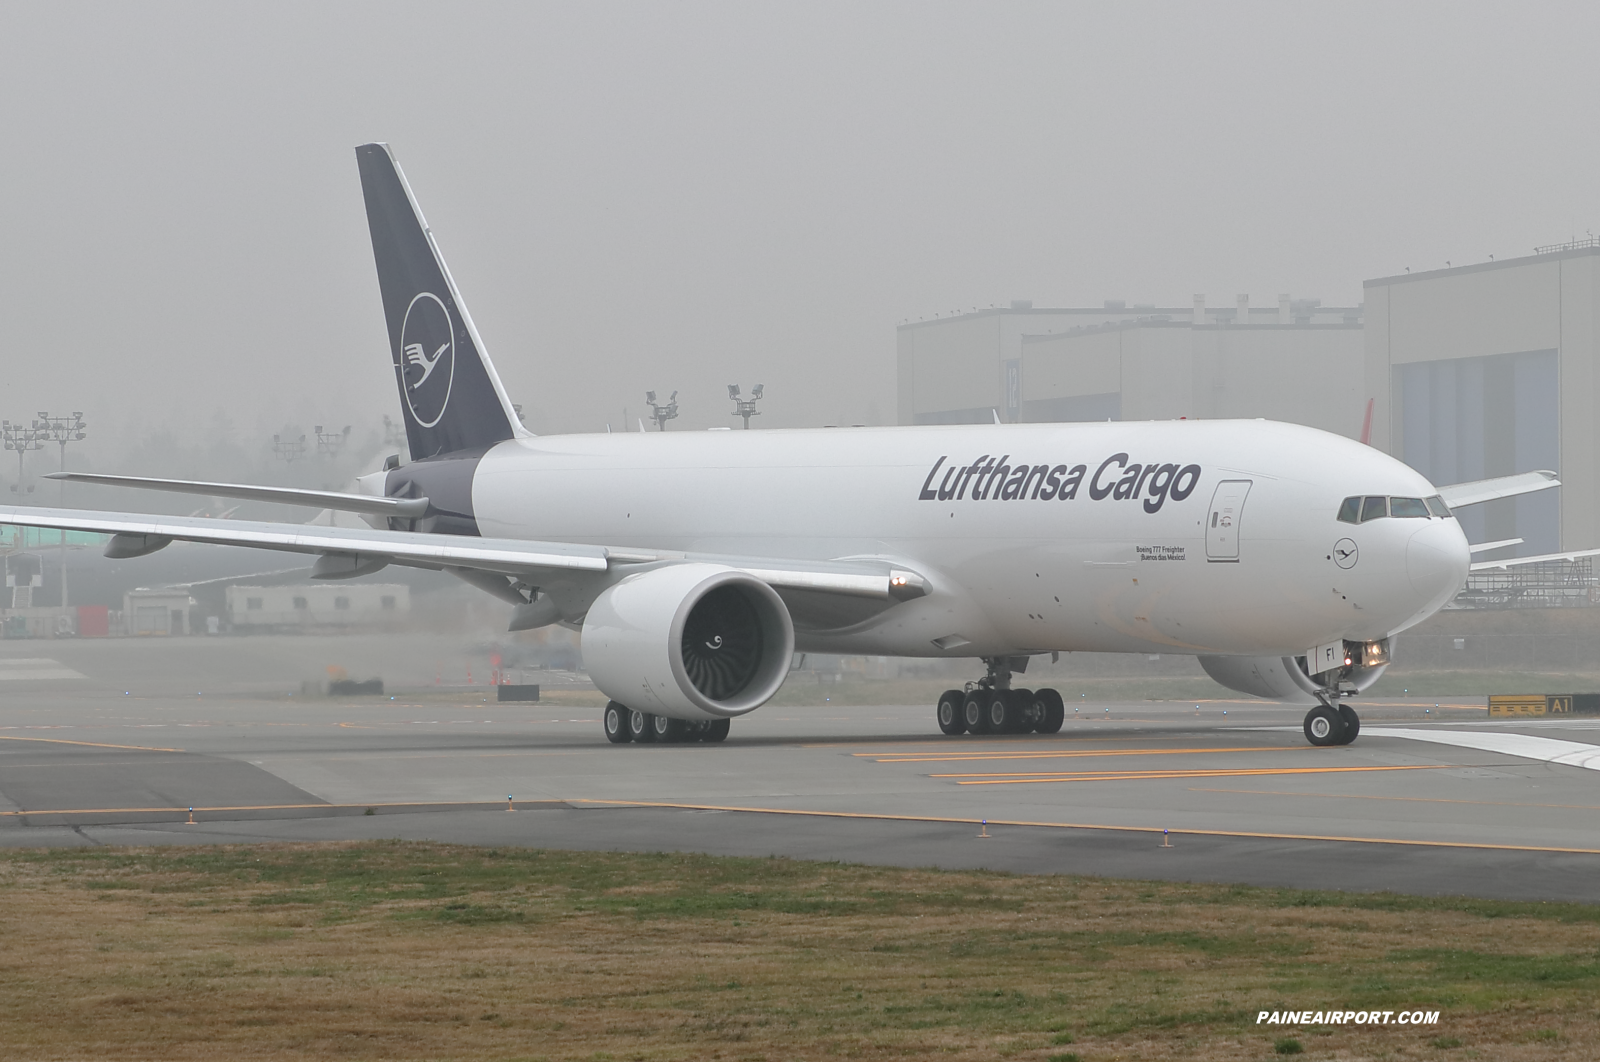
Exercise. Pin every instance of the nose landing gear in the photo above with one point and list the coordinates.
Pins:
(991, 706)
(1331, 723)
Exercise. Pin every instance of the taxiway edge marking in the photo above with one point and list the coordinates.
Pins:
(576, 801)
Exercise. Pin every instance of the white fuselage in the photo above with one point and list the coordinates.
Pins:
(1242, 563)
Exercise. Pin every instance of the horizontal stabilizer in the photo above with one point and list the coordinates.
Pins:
(1482, 490)
(1485, 547)
(410, 508)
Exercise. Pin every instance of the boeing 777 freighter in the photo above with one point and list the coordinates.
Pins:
(696, 564)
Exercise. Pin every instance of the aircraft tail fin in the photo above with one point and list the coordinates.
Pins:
(450, 395)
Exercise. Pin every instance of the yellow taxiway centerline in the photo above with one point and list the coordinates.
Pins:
(578, 802)
(1423, 800)
(90, 744)
(1133, 776)
(197, 809)
(894, 757)
(1086, 826)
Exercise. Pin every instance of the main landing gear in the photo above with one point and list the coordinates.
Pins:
(624, 724)
(991, 706)
(1331, 723)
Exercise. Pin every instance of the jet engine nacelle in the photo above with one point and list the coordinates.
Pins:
(689, 641)
(1282, 678)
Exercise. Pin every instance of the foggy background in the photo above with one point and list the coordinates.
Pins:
(637, 196)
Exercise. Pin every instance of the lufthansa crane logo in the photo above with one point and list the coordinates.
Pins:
(1345, 553)
(427, 358)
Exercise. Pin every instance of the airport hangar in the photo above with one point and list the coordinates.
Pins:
(1471, 372)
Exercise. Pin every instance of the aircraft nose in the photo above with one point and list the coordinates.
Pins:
(1437, 560)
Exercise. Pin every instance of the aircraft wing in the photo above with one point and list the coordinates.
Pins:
(1517, 562)
(1482, 490)
(323, 499)
(351, 551)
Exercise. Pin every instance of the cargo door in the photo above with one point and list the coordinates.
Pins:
(1222, 523)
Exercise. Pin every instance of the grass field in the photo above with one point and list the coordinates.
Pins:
(413, 951)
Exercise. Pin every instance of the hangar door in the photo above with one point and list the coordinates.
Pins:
(1222, 523)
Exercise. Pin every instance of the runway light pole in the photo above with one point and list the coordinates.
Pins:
(61, 430)
(746, 407)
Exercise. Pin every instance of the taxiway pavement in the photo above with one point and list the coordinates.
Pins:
(99, 746)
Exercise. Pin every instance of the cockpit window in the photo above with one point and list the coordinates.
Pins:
(1359, 510)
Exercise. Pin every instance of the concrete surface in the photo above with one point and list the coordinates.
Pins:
(112, 743)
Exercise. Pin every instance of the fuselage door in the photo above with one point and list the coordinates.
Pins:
(1222, 524)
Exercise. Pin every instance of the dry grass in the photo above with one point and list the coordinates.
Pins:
(396, 950)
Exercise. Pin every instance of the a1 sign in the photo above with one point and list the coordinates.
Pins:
(1328, 657)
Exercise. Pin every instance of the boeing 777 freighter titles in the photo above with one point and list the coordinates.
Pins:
(1284, 558)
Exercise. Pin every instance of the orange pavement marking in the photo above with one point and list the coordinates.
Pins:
(91, 744)
(1088, 826)
(1129, 776)
(257, 807)
(1425, 800)
(909, 757)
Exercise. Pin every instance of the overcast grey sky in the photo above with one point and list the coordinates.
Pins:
(682, 195)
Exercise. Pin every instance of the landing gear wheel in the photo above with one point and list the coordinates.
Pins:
(951, 719)
(1352, 723)
(1324, 726)
(1055, 712)
(616, 720)
(1028, 714)
(716, 730)
(668, 729)
(974, 713)
(642, 726)
(998, 712)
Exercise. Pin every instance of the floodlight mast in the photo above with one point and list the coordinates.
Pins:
(746, 407)
(60, 430)
(20, 438)
(662, 413)
(288, 450)
(330, 443)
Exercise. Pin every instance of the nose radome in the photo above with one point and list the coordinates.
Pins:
(1437, 560)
